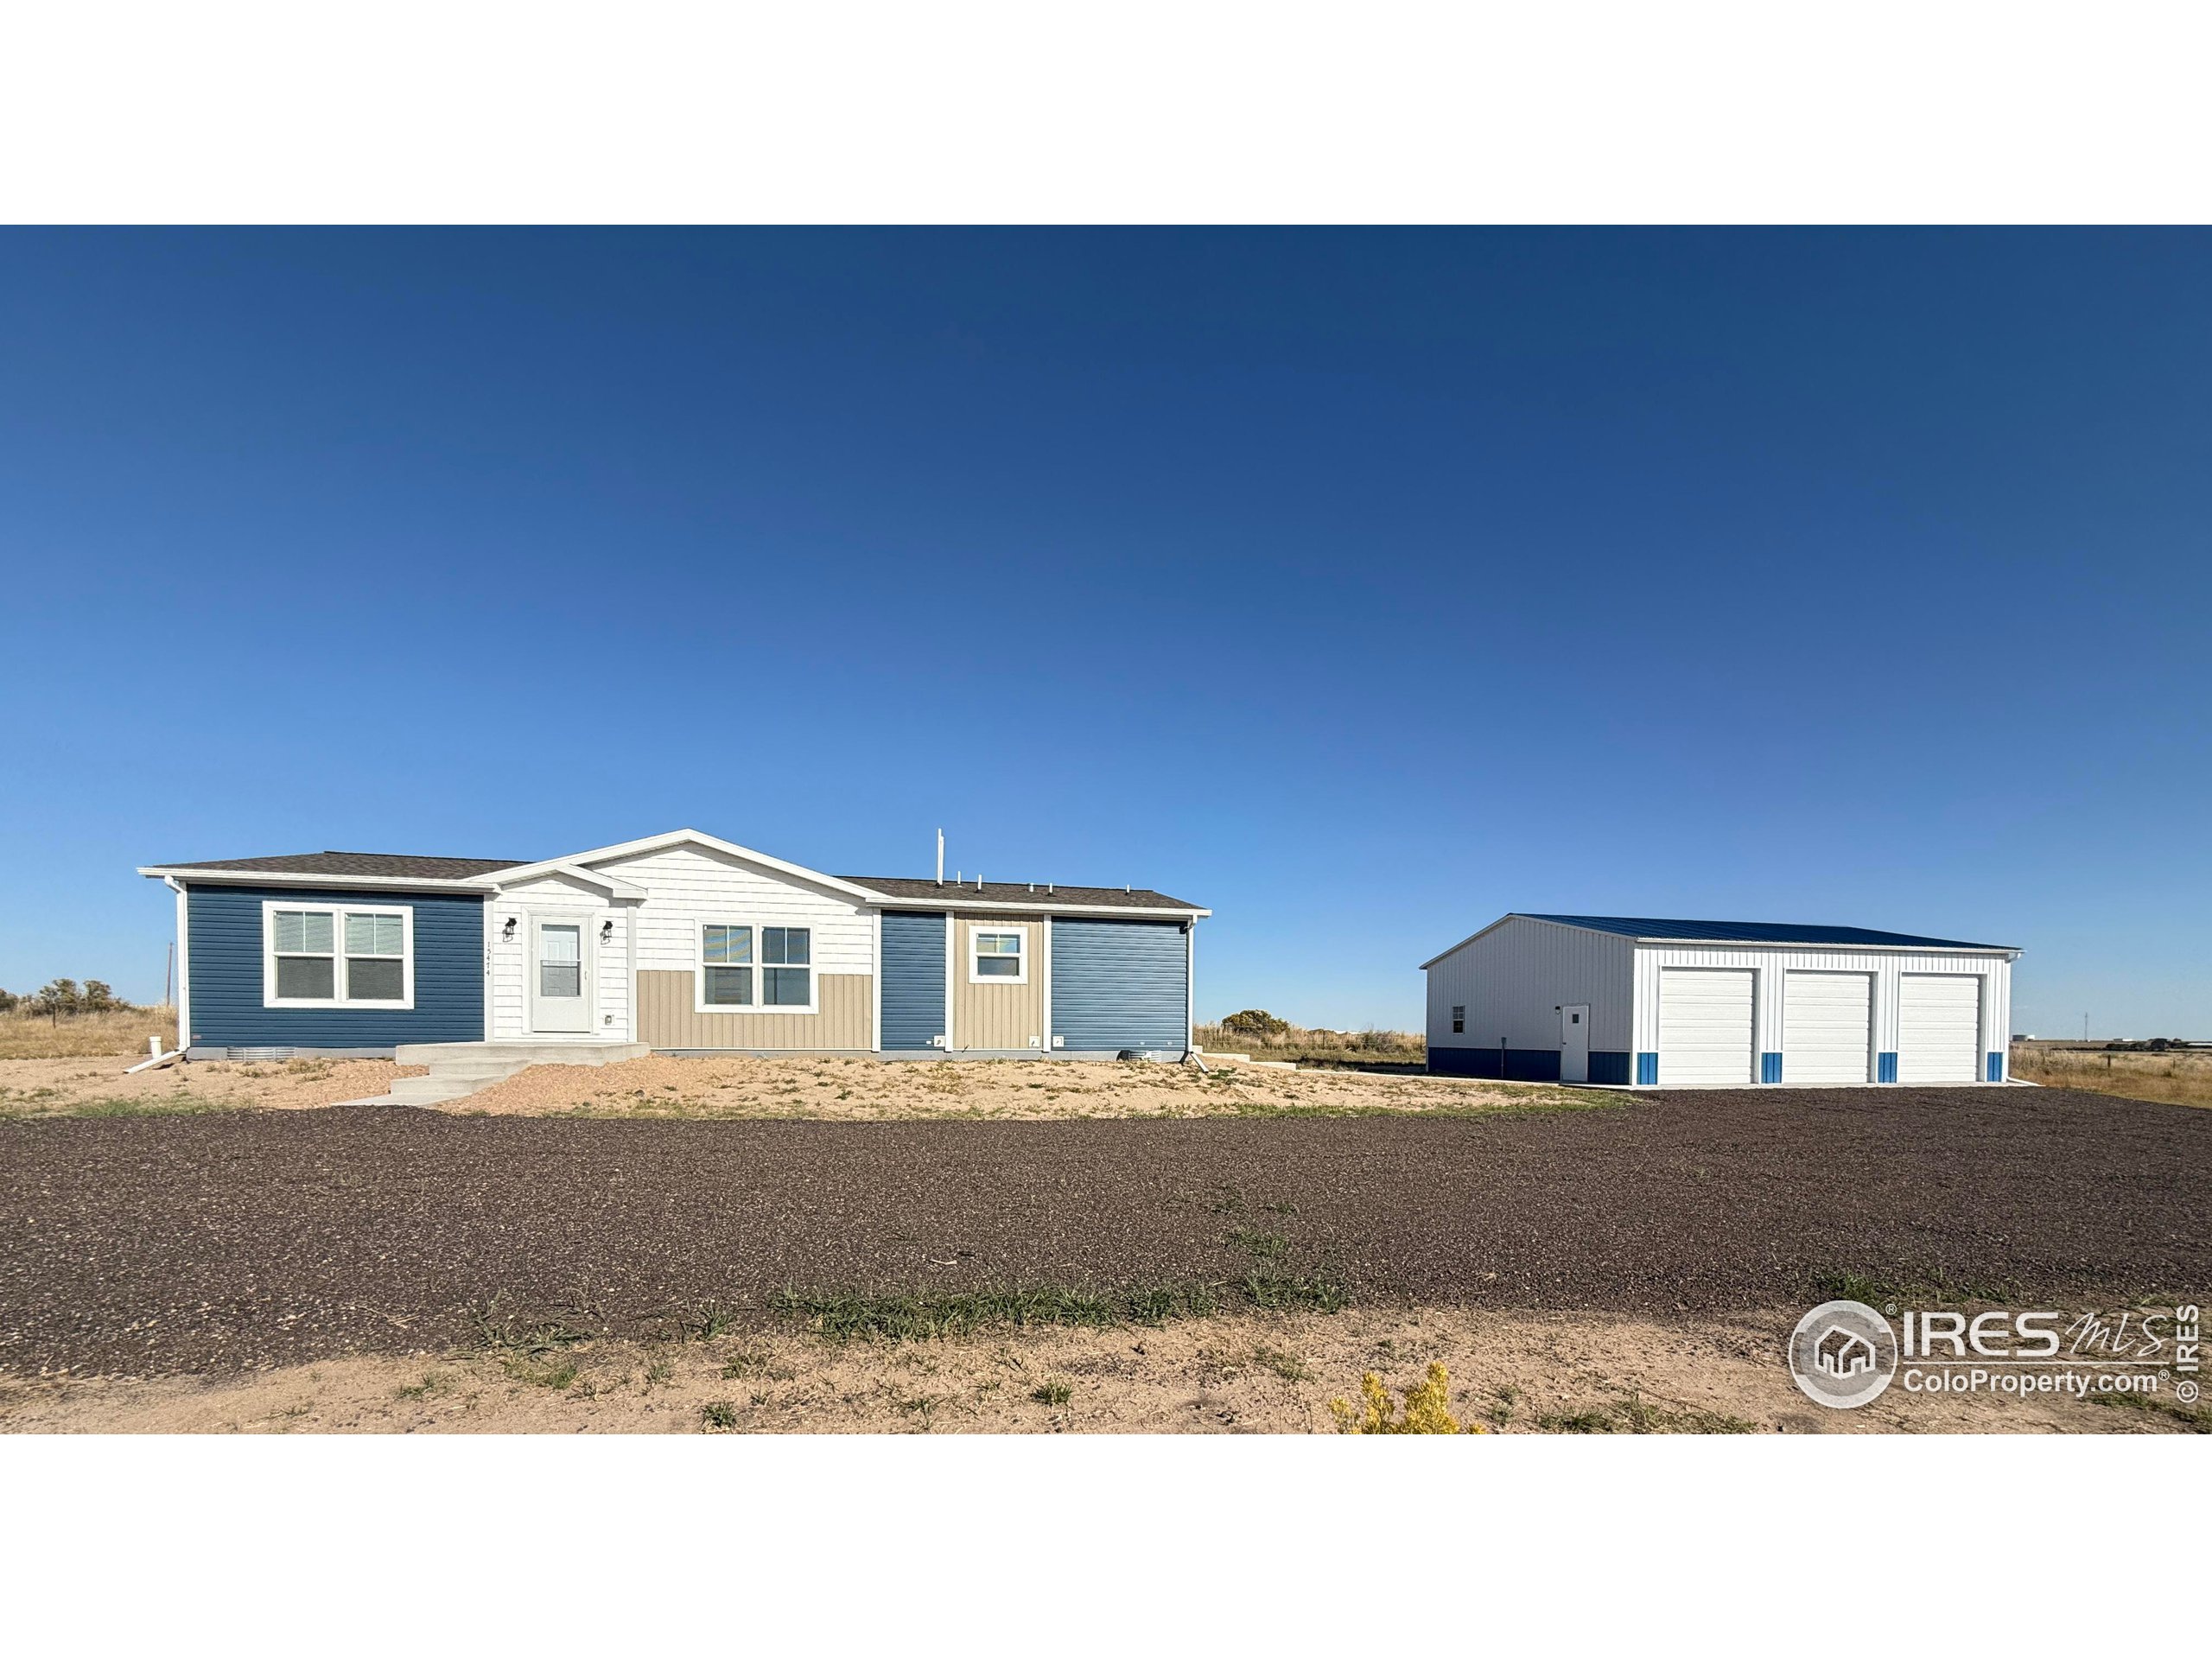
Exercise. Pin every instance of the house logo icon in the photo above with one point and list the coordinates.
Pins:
(1843, 1354)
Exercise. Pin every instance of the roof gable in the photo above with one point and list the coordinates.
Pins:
(697, 838)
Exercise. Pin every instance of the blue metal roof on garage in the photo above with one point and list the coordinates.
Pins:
(1656, 927)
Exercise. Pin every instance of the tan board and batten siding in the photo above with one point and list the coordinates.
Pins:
(987, 1016)
(668, 1013)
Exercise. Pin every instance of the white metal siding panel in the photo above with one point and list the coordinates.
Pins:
(1939, 1028)
(1705, 1027)
(1771, 963)
(1827, 1028)
(1514, 979)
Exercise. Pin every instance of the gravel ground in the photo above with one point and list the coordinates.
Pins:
(205, 1243)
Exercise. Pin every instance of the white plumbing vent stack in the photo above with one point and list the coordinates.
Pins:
(940, 858)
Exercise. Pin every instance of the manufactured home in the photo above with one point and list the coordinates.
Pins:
(1650, 1003)
(681, 944)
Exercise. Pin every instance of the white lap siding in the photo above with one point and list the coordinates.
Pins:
(685, 885)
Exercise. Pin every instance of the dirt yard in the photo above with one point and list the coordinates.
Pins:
(1511, 1373)
(663, 1087)
(870, 1091)
(97, 1087)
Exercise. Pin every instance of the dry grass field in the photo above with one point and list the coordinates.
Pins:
(1321, 1047)
(34, 1036)
(2183, 1077)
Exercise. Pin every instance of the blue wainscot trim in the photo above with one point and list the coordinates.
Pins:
(1647, 1070)
(1770, 1068)
(1996, 1068)
(224, 928)
(1609, 1065)
(1513, 1064)
(1886, 1068)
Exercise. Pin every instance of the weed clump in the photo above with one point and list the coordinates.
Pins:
(1427, 1407)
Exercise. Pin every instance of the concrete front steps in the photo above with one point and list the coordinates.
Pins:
(458, 1069)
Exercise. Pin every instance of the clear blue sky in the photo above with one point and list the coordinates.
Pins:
(1360, 585)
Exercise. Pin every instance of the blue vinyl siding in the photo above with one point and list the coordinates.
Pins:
(1609, 1065)
(913, 980)
(1513, 1064)
(1120, 985)
(1770, 1068)
(1886, 1068)
(1996, 1068)
(1647, 1069)
(224, 963)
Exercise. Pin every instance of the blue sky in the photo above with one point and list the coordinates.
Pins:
(1361, 585)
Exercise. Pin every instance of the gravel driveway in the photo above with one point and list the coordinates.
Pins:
(213, 1243)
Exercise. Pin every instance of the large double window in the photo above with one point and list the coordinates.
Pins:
(745, 966)
(337, 955)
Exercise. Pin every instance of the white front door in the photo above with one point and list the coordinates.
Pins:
(560, 977)
(1574, 1043)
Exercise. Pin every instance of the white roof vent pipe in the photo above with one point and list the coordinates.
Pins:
(940, 858)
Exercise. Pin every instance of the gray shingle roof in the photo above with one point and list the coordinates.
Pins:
(940, 893)
(1655, 927)
(392, 864)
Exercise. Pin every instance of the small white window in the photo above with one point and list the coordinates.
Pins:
(1459, 1017)
(333, 957)
(999, 956)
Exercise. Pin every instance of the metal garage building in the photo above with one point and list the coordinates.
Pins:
(1639, 1001)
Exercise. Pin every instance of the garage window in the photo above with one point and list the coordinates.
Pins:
(1458, 1018)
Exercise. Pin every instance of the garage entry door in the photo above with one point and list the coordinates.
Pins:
(1827, 1028)
(1705, 1027)
(1939, 1028)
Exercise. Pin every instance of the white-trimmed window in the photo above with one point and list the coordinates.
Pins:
(998, 955)
(337, 955)
(745, 966)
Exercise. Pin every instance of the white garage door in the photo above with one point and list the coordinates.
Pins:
(1705, 1027)
(1939, 1028)
(1827, 1028)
